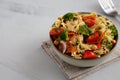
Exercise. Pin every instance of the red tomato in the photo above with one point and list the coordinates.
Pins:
(93, 38)
(55, 32)
(89, 55)
(89, 20)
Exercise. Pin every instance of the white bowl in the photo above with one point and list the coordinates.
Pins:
(81, 62)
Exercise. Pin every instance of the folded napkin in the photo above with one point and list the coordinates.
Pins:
(76, 73)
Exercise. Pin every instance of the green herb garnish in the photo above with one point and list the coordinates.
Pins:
(114, 32)
(108, 44)
(68, 16)
(63, 36)
(84, 30)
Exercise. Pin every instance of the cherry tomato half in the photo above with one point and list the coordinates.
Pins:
(89, 55)
(55, 32)
(93, 38)
(89, 20)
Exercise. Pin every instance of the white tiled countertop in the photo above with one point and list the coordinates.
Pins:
(24, 24)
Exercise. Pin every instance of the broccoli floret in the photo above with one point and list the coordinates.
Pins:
(68, 16)
(114, 32)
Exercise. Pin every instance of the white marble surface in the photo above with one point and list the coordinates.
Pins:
(24, 24)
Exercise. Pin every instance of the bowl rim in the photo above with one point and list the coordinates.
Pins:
(117, 38)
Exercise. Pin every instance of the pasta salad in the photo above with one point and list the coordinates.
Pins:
(83, 35)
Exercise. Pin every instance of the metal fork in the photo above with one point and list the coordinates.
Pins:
(108, 7)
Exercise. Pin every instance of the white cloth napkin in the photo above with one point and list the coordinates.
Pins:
(76, 73)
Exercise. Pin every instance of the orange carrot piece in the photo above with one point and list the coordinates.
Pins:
(71, 49)
(71, 35)
(100, 40)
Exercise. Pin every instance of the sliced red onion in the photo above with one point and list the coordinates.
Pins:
(64, 46)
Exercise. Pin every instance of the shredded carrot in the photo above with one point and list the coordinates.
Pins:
(71, 35)
(71, 38)
(100, 39)
(71, 49)
(68, 44)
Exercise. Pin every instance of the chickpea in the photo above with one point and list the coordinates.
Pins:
(113, 41)
(56, 42)
(93, 47)
(104, 52)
